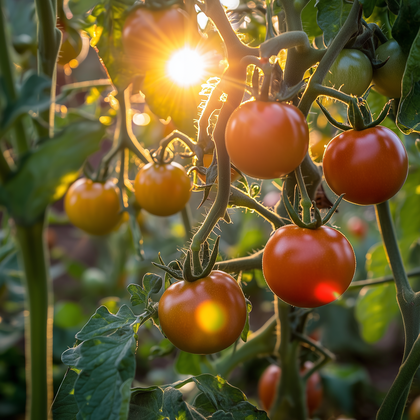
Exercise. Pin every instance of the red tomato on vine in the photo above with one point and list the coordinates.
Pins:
(204, 316)
(308, 267)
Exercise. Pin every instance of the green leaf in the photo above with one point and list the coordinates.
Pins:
(146, 404)
(34, 95)
(65, 406)
(407, 24)
(368, 6)
(188, 364)
(46, 173)
(309, 22)
(80, 7)
(107, 364)
(376, 307)
(331, 16)
(174, 407)
(408, 118)
(152, 283)
(104, 323)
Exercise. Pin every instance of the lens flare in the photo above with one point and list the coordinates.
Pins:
(326, 292)
(186, 67)
(211, 317)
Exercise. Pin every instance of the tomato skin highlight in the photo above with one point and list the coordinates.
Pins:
(308, 268)
(150, 36)
(270, 378)
(350, 73)
(387, 79)
(205, 316)
(93, 206)
(162, 189)
(369, 166)
(267, 140)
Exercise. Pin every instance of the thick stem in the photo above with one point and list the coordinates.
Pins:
(385, 279)
(252, 262)
(38, 321)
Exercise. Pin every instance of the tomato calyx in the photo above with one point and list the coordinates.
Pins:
(195, 266)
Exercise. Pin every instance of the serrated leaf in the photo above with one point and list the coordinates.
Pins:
(407, 24)
(104, 323)
(408, 118)
(146, 405)
(138, 295)
(46, 173)
(152, 283)
(65, 405)
(331, 16)
(376, 307)
(107, 364)
(188, 364)
(34, 95)
(174, 407)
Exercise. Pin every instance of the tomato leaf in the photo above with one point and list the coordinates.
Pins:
(152, 283)
(46, 173)
(188, 364)
(407, 24)
(146, 404)
(408, 117)
(175, 407)
(368, 6)
(107, 364)
(34, 95)
(65, 405)
(104, 323)
(309, 21)
(331, 16)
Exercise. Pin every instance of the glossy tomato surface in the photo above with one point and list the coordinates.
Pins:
(308, 268)
(207, 159)
(93, 206)
(150, 36)
(162, 189)
(351, 72)
(368, 166)
(269, 380)
(387, 79)
(204, 316)
(267, 140)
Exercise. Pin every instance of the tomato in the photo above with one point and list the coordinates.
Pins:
(150, 36)
(357, 227)
(351, 72)
(369, 166)
(308, 268)
(162, 189)
(71, 43)
(205, 316)
(93, 206)
(270, 379)
(267, 140)
(207, 159)
(414, 410)
(387, 79)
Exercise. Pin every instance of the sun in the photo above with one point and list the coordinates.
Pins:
(186, 67)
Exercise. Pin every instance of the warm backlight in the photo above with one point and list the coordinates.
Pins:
(210, 316)
(186, 67)
(326, 293)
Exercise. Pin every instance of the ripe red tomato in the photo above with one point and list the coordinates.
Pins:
(150, 36)
(204, 316)
(308, 268)
(357, 226)
(267, 140)
(270, 379)
(93, 206)
(369, 166)
(162, 189)
(207, 159)
(351, 72)
(387, 79)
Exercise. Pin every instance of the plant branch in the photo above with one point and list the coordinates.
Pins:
(385, 279)
(235, 265)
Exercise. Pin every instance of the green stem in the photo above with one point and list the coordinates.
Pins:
(305, 201)
(38, 321)
(7, 70)
(385, 279)
(186, 220)
(331, 93)
(235, 265)
(260, 343)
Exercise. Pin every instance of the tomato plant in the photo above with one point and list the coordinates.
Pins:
(270, 379)
(150, 36)
(368, 166)
(387, 79)
(93, 206)
(162, 189)
(308, 277)
(204, 316)
(267, 139)
(351, 72)
(207, 159)
(71, 44)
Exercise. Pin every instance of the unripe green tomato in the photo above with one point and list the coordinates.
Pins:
(350, 73)
(387, 79)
